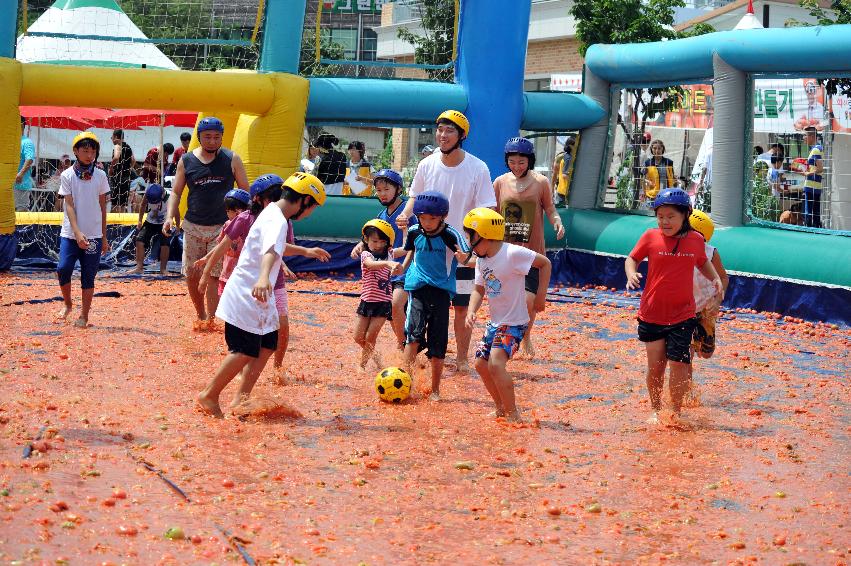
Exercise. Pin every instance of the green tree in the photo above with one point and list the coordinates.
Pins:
(634, 21)
(308, 65)
(436, 45)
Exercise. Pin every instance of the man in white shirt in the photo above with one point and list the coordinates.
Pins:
(465, 180)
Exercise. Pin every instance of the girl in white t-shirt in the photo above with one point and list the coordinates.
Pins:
(501, 270)
(83, 234)
(251, 318)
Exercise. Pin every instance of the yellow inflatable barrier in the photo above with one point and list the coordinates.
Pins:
(55, 218)
(263, 113)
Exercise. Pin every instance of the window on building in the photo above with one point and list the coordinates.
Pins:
(369, 45)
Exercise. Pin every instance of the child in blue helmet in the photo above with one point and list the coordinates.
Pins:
(434, 249)
(155, 204)
(388, 189)
(666, 318)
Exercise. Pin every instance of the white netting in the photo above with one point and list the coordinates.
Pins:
(169, 34)
(379, 39)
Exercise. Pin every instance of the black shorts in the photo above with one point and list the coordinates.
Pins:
(119, 194)
(241, 341)
(147, 233)
(464, 277)
(427, 322)
(375, 309)
(398, 284)
(677, 337)
(533, 279)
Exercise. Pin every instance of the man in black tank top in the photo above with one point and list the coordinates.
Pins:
(209, 171)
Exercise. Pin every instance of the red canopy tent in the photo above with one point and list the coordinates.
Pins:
(74, 118)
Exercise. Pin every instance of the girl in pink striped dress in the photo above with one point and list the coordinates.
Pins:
(376, 296)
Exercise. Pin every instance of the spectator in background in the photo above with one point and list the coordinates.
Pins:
(658, 172)
(359, 170)
(757, 152)
(311, 160)
(774, 175)
(331, 169)
(185, 138)
(426, 151)
(24, 178)
(644, 147)
(561, 167)
(120, 172)
(151, 166)
(812, 185)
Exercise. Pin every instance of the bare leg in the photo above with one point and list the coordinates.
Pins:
(283, 341)
(372, 331)
(165, 251)
(83, 321)
(66, 298)
(526, 347)
(255, 368)
(208, 399)
(140, 258)
(212, 297)
(360, 339)
(484, 373)
(400, 297)
(462, 339)
(192, 278)
(679, 384)
(656, 363)
(411, 350)
(436, 374)
(503, 382)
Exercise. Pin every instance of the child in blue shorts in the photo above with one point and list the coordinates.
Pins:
(501, 270)
(433, 248)
(83, 234)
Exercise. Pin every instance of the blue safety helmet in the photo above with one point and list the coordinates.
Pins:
(264, 182)
(240, 195)
(389, 175)
(154, 193)
(431, 202)
(211, 124)
(520, 146)
(674, 197)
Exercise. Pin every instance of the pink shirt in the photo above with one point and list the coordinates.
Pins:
(237, 229)
(524, 209)
(375, 283)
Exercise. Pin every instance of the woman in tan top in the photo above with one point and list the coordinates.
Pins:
(523, 196)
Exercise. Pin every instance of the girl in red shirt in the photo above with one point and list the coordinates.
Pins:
(666, 317)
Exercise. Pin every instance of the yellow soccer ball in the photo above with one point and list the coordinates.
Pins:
(393, 385)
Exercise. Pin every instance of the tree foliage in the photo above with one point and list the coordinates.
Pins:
(308, 65)
(435, 46)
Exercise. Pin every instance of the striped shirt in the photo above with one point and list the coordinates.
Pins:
(813, 180)
(375, 283)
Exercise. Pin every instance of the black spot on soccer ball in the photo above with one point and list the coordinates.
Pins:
(381, 389)
(397, 400)
(397, 383)
(386, 372)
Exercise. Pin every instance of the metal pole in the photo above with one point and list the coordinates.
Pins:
(360, 41)
(161, 152)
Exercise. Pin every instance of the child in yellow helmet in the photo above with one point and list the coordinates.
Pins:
(501, 270)
(707, 302)
(376, 296)
(247, 304)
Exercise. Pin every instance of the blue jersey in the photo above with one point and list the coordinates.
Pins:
(397, 241)
(434, 260)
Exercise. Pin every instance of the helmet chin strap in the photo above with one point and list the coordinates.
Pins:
(453, 148)
(473, 248)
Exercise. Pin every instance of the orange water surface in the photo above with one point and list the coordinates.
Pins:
(762, 476)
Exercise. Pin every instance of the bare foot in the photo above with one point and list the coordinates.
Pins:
(513, 416)
(653, 420)
(497, 413)
(237, 401)
(164, 273)
(209, 406)
(462, 366)
(136, 271)
(64, 312)
(692, 397)
(213, 326)
(435, 396)
(676, 421)
(81, 323)
(200, 325)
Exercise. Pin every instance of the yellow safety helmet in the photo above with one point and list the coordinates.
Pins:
(307, 184)
(456, 118)
(701, 222)
(487, 223)
(382, 225)
(85, 136)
